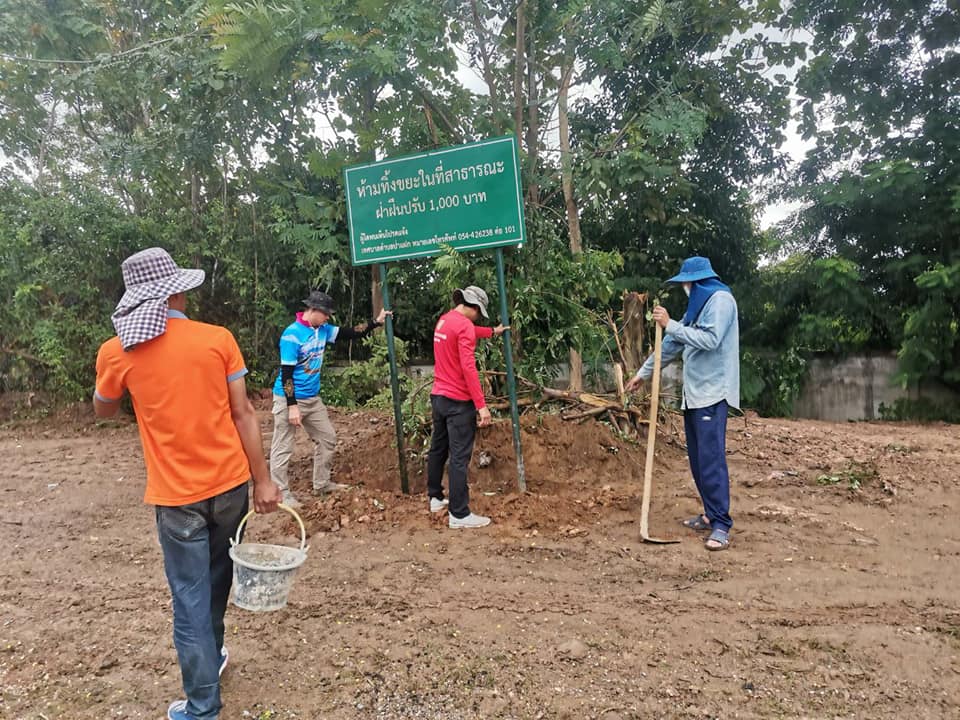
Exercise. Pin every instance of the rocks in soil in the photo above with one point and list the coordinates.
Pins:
(572, 649)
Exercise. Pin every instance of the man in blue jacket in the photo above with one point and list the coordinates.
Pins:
(708, 338)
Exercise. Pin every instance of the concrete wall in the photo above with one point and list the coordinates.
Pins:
(853, 388)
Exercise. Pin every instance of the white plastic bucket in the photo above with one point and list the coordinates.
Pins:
(262, 573)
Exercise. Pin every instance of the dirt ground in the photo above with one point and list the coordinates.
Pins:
(839, 598)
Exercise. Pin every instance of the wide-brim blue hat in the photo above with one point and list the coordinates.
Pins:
(694, 269)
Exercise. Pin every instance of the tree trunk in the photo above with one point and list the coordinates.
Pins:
(634, 308)
(376, 293)
(353, 297)
(566, 165)
(434, 138)
(519, 55)
(573, 216)
(195, 198)
(533, 123)
(368, 94)
(44, 145)
(576, 371)
(256, 278)
(488, 73)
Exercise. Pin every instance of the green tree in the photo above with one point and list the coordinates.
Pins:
(686, 123)
(881, 98)
(931, 345)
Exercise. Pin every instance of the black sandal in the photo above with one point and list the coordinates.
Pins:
(697, 523)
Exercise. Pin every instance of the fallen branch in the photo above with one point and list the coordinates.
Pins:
(616, 336)
(519, 378)
(23, 354)
(592, 412)
(580, 397)
(613, 421)
(621, 391)
(417, 391)
(505, 405)
(638, 415)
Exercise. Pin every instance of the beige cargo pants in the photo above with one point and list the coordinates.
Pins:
(316, 422)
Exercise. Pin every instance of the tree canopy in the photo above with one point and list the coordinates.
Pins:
(650, 131)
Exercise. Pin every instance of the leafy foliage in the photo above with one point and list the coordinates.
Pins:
(921, 410)
(881, 98)
(58, 271)
(220, 129)
(931, 344)
(367, 383)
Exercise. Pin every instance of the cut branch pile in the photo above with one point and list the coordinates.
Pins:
(626, 414)
(615, 407)
(622, 412)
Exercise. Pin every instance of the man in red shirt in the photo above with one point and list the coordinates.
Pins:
(458, 405)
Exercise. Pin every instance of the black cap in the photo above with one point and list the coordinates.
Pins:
(319, 300)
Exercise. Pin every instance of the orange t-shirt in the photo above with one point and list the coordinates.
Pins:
(178, 384)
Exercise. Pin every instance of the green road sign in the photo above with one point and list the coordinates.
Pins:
(467, 197)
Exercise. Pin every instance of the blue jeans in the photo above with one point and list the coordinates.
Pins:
(706, 430)
(195, 540)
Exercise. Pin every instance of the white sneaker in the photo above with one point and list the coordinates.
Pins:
(470, 521)
(438, 505)
(290, 501)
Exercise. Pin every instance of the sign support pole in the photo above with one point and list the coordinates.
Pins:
(394, 382)
(511, 379)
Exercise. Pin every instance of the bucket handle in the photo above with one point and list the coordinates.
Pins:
(303, 530)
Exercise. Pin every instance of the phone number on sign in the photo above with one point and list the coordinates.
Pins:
(476, 234)
(485, 233)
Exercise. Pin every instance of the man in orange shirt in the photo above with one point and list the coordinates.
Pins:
(201, 443)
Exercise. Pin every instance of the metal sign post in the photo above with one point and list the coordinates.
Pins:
(511, 380)
(394, 383)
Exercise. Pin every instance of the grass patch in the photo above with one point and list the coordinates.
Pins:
(854, 477)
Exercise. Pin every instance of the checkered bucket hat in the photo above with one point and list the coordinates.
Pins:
(150, 276)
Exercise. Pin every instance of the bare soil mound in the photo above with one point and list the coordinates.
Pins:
(837, 599)
(574, 473)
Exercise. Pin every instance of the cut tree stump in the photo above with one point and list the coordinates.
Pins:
(634, 309)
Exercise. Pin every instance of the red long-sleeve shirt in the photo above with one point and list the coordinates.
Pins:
(455, 366)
